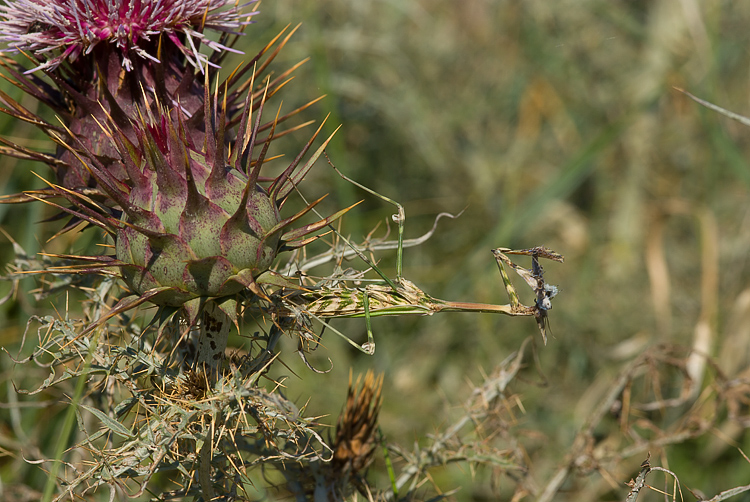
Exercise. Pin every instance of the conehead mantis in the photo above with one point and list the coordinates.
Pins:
(341, 296)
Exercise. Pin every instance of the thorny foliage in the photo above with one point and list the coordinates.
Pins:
(644, 411)
(156, 411)
(152, 414)
(147, 412)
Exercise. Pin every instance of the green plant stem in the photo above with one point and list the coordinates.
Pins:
(67, 427)
(204, 469)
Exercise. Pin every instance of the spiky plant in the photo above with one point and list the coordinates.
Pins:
(171, 172)
(198, 231)
(90, 61)
(146, 152)
(98, 58)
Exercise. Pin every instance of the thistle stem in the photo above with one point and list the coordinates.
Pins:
(214, 334)
(215, 325)
(204, 469)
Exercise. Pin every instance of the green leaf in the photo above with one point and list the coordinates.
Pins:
(110, 423)
(125, 406)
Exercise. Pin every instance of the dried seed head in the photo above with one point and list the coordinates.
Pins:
(357, 426)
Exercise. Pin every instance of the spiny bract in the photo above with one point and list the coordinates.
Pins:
(196, 224)
(91, 58)
(191, 229)
(147, 153)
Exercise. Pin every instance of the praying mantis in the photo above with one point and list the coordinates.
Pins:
(350, 295)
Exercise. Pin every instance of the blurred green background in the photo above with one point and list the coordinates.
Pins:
(546, 123)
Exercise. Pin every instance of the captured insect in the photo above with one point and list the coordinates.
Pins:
(38, 27)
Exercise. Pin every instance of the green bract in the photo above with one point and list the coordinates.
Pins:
(196, 225)
(196, 233)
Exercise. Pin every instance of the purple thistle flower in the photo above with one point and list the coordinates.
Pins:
(99, 58)
(147, 153)
(59, 30)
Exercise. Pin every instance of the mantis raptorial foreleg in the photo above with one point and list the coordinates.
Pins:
(512, 295)
(370, 345)
(534, 278)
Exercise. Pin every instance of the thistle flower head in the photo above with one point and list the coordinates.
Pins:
(196, 223)
(98, 56)
(63, 30)
(121, 57)
(171, 170)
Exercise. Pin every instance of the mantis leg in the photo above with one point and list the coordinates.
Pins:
(399, 218)
(512, 295)
(388, 463)
(369, 347)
